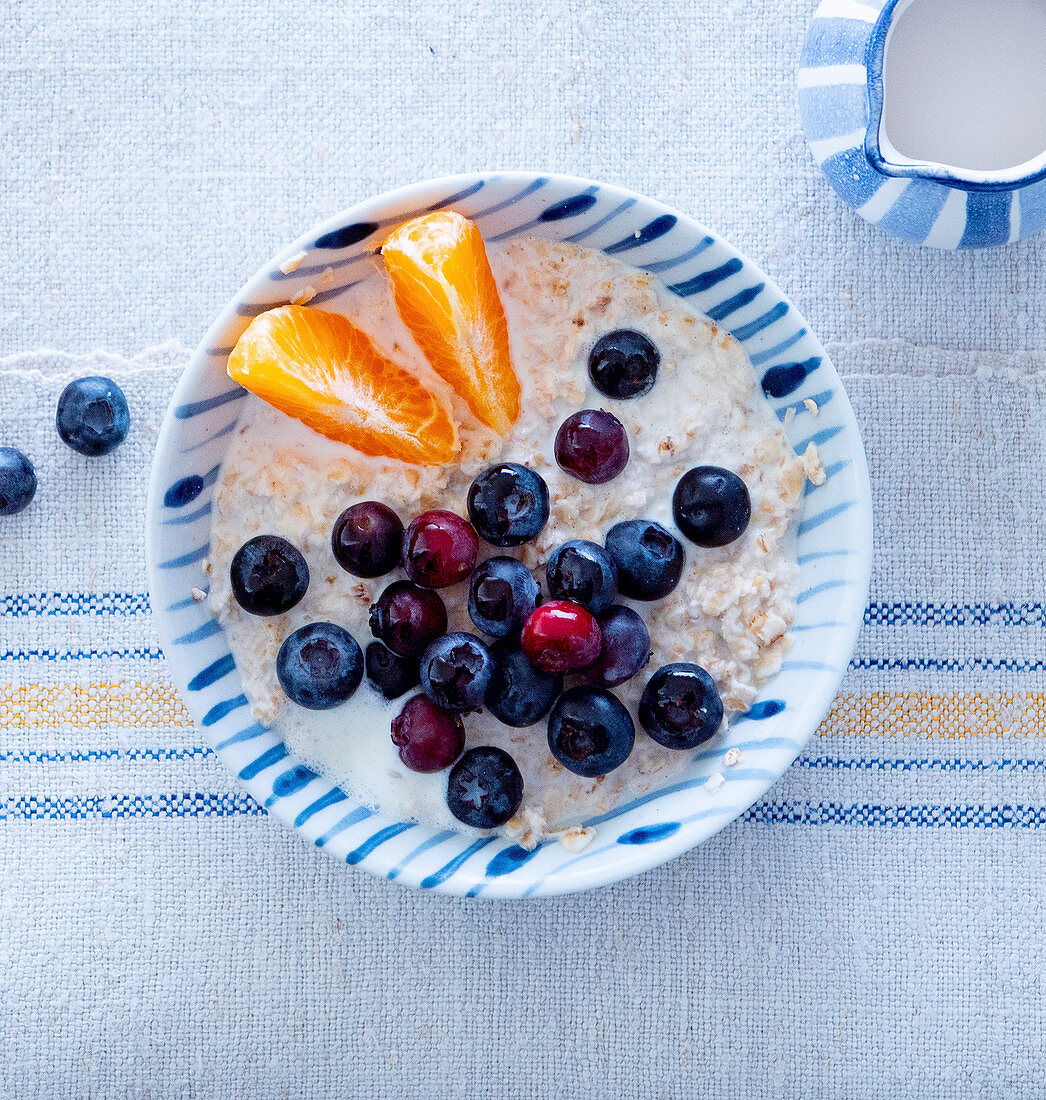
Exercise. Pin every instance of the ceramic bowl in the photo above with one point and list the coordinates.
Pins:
(833, 540)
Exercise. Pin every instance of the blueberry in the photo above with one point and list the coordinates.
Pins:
(391, 674)
(680, 706)
(92, 416)
(455, 671)
(623, 364)
(17, 481)
(518, 693)
(508, 504)
(268, 575)
(592, 445)
(649, 558)
(367, 539)
(407, 617)
(625, 647)
(319, 666)
(711, 506)
(485, 788)
(590, 732)
(584, 572)
(502, 594)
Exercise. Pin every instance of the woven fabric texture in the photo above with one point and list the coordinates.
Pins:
(873, 928)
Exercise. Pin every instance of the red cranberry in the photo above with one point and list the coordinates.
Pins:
(560, 636)
(429, 738)
(439, 549)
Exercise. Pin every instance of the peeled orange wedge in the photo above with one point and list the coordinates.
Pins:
(322, 370)
(446, 295)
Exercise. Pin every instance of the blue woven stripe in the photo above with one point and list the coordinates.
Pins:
(793, 812)
(939, 664)
(189, 804)
(899, 764)
(917, 612)
(948, 664)
(140, 653)
(78, 756)
(838, 813)
(845, 763)
(955, 614)
(74, 603)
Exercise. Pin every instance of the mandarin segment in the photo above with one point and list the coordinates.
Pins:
(321, 369)
(446, 294)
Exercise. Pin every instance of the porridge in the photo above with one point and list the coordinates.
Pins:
(706, 595)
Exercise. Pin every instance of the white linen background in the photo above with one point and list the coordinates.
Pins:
(156, 154)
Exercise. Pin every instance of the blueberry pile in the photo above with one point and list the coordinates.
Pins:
(559, 657)
(92, 418)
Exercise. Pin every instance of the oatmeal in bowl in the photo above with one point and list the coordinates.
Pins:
(504, 545)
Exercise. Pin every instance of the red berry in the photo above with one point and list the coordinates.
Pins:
(592, 445)
(429, 738)
(561, 636)
(406, 618)
(439, 549)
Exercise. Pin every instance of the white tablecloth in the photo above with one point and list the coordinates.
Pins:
(874, 928)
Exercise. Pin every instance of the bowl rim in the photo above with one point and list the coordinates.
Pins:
(634, 859)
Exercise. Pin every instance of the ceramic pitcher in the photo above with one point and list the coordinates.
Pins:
(841, 99)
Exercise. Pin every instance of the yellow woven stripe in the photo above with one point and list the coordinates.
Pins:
(915, 714)
(920, 715)
(91, 706)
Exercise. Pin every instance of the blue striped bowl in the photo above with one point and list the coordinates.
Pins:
(834, 542)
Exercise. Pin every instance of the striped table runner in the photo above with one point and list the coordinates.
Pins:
(939, 722)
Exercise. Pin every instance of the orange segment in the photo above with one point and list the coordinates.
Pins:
(446, 295)
(322, 370)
